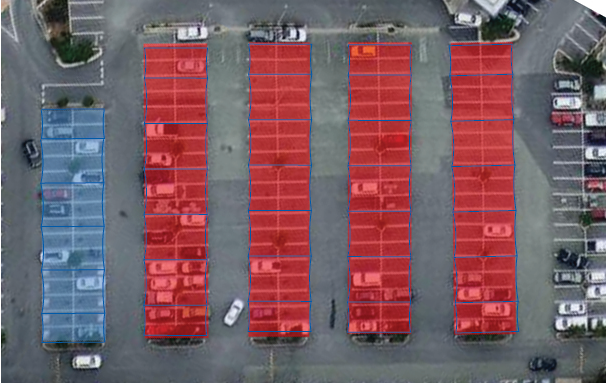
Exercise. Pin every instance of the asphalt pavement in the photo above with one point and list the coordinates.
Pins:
(329, 356)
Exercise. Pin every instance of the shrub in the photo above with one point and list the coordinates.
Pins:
(88, 101)
(62, 102)
(72, 50)
(586, 219)
(75, 259)
(499, 27)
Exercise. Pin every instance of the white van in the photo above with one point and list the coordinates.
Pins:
(86, 362)
(596, 277)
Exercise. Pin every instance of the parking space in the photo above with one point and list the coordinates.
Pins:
(86, 19)
(583, 36)
(72, 256)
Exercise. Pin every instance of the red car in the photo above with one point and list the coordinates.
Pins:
(395, 140)
(595, 185)
(566, 119)
(598, 214)
(57, 194)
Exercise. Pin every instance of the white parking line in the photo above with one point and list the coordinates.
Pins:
(565, 131)
(567, 178)
(559, 240)
(587, 33)
(566, 286)
(566, 194)
(566, 146)
(577, 44)
(91, 2)
(559, 162)
(88, 33)
(591, 17)
(88, 18)
(569, 209)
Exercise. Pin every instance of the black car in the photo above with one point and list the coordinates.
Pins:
(542, 364)
(32, 153)
(572, 259)
(56, 210)
(571, 277)
(520, 6)
(595, 169)
(597, 137)
(567, 85)
(262, 35)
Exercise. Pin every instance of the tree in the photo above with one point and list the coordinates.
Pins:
(585, 219)
(589, 67)
(497, 28)
(600, 331)
(62, 102)
(88, 101)
(74, 166)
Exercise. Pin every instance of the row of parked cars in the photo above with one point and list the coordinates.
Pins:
(515, 10)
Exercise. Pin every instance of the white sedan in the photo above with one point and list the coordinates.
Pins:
(190, 66)
(192, 33)
(567, 103)
(234, 312)
(595, 153)
(89, 283)
(572, 308)
(468, 19)
(88, 147)
(86, 362)
(292, 35)
(596, 291)
(497, 230)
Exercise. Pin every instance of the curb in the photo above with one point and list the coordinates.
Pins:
(161, 347)
(516, 36)
(496, 342)
(48, 348)
(278, 345)
(560, 337)
(381, 344)
(94, 57)
(554, 63)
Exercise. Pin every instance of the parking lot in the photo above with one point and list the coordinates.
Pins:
(86, 19)
(73, 223)
(583, 36)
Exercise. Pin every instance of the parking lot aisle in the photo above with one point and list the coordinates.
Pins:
(73, 226)
(280, 206)
(583, 37)
(486, 299)
(176, 299)
(379, 202)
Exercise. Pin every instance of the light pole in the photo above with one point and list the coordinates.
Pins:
(210, 7)
(361, 14)
(283, 13)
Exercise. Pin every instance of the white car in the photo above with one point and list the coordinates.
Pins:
(596, 291)
(160, 190)
(564, 323)
(53, 257)
(468, 19)
(192, 33)
(513, 15)
(292, 34)
(190, 66)
(92, 283)
(595, 153)
(193, 220)
(86, 362)
(572, 308)
(496, 309)
(88, 177)
(498, 230)
(596, 277)
(567, 103)
(234, 312)
(159, 160)
(88, 147)
(364, 189)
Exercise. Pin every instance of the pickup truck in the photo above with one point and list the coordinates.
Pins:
(596, 246)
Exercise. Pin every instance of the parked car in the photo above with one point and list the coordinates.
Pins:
(91, 283)
(364, 189)
(596, 292)
(571, 277)
(54, 257)
(596, 246)
(160, 313)
(60, 132)
(87, 362)
(367, 279)
(158, 160)
(596, 276)
(233, 313)
(159, 237)
(198, 32)
(87, 147)
(193, 267)
(595, 185)
(262, 35)
(161, 190)
(572, 259)
(496, 309)
(519, 6)
(598, 215)
(192, 252)
(88, 177)
(513, 15)
(198, 281)
(597, 137)
(57, 210)
(292, 34)
(373, 295)
(162, 268)
(265, 266)
(542, 364)
(163, 283)
(595, 170)
(364, 312)
(191, 66)
(498, 230)
(468, 19)
(567, 103)
(563, 323)
(32, 153)
(469, 278)
(193, 220)
(194, 312)
(574, 308)
(56, 194)
(469, 325)
(567, 85)
(566, 119)
(263, 313)
(595, 153)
